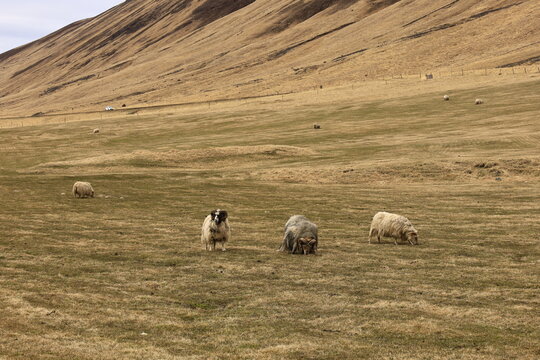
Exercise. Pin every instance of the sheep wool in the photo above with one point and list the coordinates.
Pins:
(215, 229)
(394, 226)
(82, 189)
(301, 236)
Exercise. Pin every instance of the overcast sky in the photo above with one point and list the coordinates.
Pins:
(22, 21)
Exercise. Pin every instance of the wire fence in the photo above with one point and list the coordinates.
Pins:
(358, 77)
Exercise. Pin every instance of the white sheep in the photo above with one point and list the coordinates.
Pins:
(393, 225)
(446, 97)
(82, 189)
(478, 101)
(96, 131)
(216, 229)
(301, 236)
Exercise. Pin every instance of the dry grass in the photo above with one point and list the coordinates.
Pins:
(123, 276)
(148, 52)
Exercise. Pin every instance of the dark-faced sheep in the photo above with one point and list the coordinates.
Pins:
(82, 189)
(300, 236)
(393, 225)
(215, 229)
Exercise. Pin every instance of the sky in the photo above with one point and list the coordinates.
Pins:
(23, 21)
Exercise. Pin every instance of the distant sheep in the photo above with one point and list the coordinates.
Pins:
(96, 131)
(446, 98)
(316, 126)
(300, 236)
(83, 189)
(478, 101)
(215, 229)
(393, 225)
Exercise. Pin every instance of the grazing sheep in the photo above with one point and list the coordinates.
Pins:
(300, 236)
(446, 97)
(96, 131)
(393, 225)
(316, 126)
(216, 229)
(478, 101)
(83, 189)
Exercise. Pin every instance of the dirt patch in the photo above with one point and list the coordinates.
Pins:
(343, 57)
(528, 61)
(212, 10)
(407, 173)
(282, 52)
(37, 63)
(300, 11)
(192, 158)
(461, 22)
(433, 12)
(58, 87)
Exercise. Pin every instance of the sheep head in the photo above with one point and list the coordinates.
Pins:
(219, 216)
(412, 237)
(308, 245)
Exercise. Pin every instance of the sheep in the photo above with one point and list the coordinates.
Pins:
(96, 131)
(393, 225)
(478, 101)
(446, 97)
(215, 229)
(316, 126)
(83, 189)
(300, 236)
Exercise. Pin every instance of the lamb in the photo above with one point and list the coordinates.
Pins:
(300, 236)
(82, 189)
(393, 225)
(478, 101)
(446, 97)
(216, 229)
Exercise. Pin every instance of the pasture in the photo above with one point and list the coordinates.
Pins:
(124, 276)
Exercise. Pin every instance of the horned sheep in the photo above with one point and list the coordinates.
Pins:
(82, 189)
(301, 236)
(393, 225)
(215, 229)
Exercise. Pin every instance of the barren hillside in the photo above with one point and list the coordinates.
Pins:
(146, 52)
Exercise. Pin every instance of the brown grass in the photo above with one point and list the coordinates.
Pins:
(150, 52)
(123, 275)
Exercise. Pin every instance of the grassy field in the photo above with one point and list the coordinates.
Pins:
(124, 276)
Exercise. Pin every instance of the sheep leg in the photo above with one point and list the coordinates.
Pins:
(379, 233)
(285, 244)
(371, 233)
(295, 245)
(223, 246)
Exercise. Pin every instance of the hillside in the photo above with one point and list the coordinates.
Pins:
(155, 52)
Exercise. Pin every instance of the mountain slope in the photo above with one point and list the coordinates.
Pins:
(143, 52)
